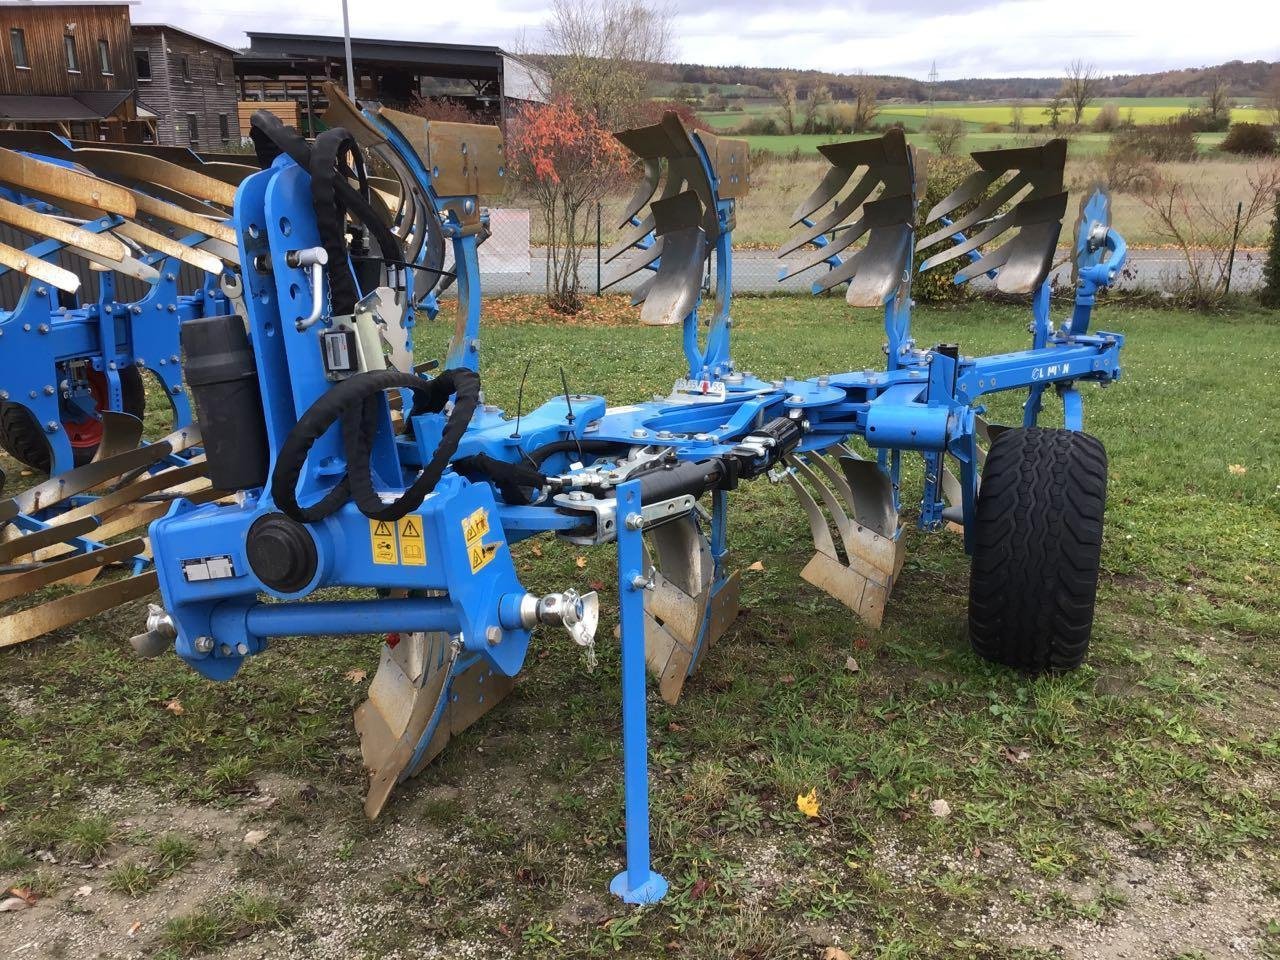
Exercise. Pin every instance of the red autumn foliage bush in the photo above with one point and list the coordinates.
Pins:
(568, 162)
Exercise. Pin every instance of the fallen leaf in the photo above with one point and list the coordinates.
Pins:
(698, 889)
(757, 566)
(355, 674)
(83, 891)
(807, 803)
(675, 727)
(254, 837)
(835, 953)
(308, 794)
(11, 904)
(1144, 828)
(536, 550)
(851, 665)
(940, 808)
(787, 678)
(46, 856)
(580, 563)
(25, 893)
(134, 928)
(422, 879)
(1237, 469)
(175, 707)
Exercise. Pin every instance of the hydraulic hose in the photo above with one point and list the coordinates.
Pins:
(354, 401)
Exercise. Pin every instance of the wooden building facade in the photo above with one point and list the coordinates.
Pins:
(68, 67)
(189, 83)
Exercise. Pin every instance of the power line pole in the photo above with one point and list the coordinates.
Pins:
(933, 82)
(346, 40)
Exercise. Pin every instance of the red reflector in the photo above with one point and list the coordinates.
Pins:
(392, 640)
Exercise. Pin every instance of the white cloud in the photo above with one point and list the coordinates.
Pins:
(965, 37)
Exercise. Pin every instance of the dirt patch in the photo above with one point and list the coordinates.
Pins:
(83, 918)
(1165, 908)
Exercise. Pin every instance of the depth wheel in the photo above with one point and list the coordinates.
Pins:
(1037, 546)
(24, 439)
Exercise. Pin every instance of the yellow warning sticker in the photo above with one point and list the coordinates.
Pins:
(382, 541)
(475, 526)
(413, 551)
(480, 554)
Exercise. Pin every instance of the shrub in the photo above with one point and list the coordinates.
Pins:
(945, 133)
(766, 126)
(1167, 142)
(943, 176)
(1250, 139)
(993, 128)
(444, 108)
(1125, 169)
(1108, 118)
(1271, 269)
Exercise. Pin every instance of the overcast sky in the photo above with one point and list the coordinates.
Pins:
(967, 38)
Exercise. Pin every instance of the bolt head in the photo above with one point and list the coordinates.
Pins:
(634, 521)
(51, 426)
(203, 644)
(493, 635)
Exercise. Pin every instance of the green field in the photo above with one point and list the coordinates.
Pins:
(977, 115)
(1130, 804)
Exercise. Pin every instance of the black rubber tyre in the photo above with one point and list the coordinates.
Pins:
(1038, 540)
(25, 440)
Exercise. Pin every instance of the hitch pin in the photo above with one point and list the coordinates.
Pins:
(317, 259)
(578, 613)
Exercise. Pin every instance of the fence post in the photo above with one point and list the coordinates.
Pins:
(597, 248)
(1231, 257)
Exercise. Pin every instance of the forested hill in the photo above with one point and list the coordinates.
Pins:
(1244, 79)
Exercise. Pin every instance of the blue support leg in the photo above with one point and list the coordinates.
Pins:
(638, 883)
(1072, 408)
(1033, 405)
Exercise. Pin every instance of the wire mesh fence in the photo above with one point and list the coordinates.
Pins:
(509, 265)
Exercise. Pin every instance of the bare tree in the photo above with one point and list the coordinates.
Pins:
(1017, 122)
(602, 54)
(1081, 87)
(784, 91)
(818, 98)
(945, 133)
(1218, 103)
(1200, 220)
(865, 108)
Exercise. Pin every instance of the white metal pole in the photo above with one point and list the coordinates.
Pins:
(346, 39)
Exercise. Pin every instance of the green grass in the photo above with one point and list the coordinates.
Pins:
(976, 115)
(1162, 747)
(241, 915)
(1082, 145)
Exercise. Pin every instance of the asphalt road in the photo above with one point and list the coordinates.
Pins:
(756, 271)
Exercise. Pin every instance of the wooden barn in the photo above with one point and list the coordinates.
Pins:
(68, 68)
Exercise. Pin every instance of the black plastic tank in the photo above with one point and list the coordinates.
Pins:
(220, 370)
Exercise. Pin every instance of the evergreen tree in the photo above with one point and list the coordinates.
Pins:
(1271, 270)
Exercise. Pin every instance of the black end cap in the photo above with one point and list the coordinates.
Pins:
(281, 553)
